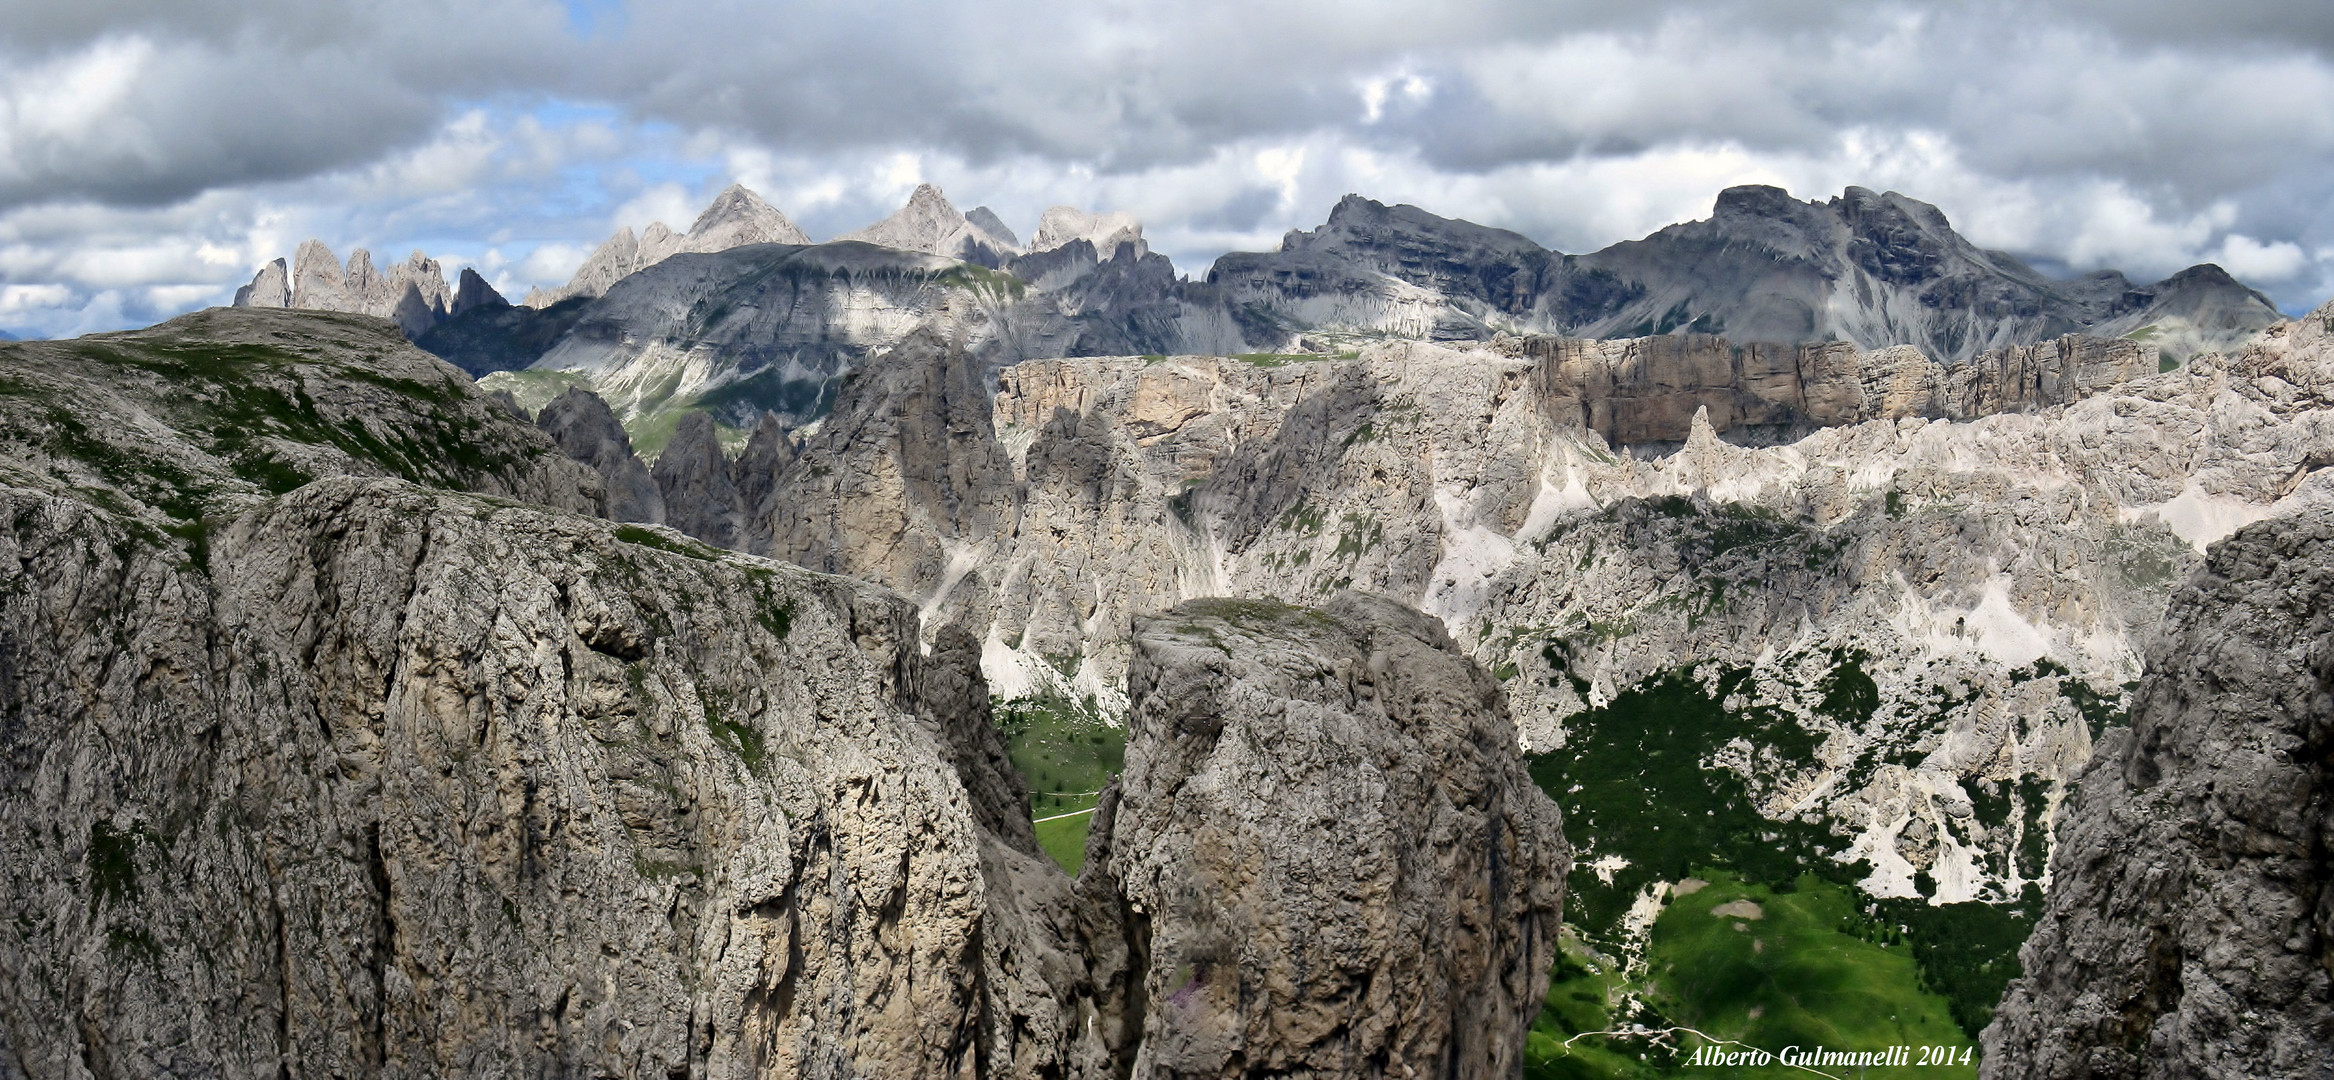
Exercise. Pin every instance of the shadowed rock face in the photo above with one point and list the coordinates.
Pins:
(2190, 929)
(693, 480)
(587, 431)
(1875, 269)
(1335, 861)
(909, 456)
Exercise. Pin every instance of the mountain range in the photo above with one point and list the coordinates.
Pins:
(742, 313)
(935, 652)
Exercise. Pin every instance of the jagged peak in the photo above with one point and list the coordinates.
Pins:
(738, 216)
(929, 223)
(1106, 229)
(986, 220)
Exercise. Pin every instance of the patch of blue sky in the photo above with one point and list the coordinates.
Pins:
(588, 19)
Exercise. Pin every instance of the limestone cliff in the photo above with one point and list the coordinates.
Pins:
(1991, 579)
(1334, 859)
(322, 753)
(2190, 928)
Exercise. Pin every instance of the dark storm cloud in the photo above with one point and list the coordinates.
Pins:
(226, 93)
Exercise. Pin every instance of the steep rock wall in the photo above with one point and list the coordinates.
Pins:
(2190, 928)
(1335, 861)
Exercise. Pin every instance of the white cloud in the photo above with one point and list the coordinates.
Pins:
(2251, 260)
(2144, 135)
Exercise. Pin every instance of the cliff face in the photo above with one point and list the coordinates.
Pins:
(1333, 858)
(2190, 928)
(1991, 578)
(374, 777)
(1878, 270)
(416, 784)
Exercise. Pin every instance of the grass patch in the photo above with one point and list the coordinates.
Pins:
(1813, 968)
(650, 538)
(1066, 751)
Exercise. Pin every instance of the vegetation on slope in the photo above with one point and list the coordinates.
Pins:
(1066, 752)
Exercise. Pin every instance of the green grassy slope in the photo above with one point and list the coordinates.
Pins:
(1066, 752)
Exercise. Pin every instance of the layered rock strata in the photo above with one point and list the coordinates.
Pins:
(2190, 927)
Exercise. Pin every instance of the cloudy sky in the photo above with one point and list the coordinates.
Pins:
(152, 155)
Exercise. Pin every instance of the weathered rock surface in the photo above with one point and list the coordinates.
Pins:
(735, 218)
(214, 410)
(1993, 578)
(412, 294)
(906, 460)
(473, 294)
(1060, 225)
(2190, 927)
(1337, 862)
(585, 430)
(430, 785)
(270, 288)
(371, 778)
(1640, 391)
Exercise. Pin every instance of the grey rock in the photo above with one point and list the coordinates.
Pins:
(1105, 231)
(457, 787)
(693, 480)
(769, 450)
(1339, 864)
(2190, 921)
(378, 778)
(1876, 270)
(270, 288)
(929, 223)
(2198, 310)
(200, 416)
(474, 294)
(986, 220)
(737, 217)
(412, 294)
(907, 459)
(317, 280)
(585, 430)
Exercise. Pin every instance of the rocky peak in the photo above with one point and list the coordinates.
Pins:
(2190, 921)
(693, 478)
(734, 218)
(270, 288)
(931, 224)
(587, 430)
(738, 217)
(474, 293)
(317, 280)
(915, 428)
(1106, 230)
(986, 220)
(1283, 760)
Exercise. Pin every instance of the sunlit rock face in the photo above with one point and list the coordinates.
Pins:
(1988, 545)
